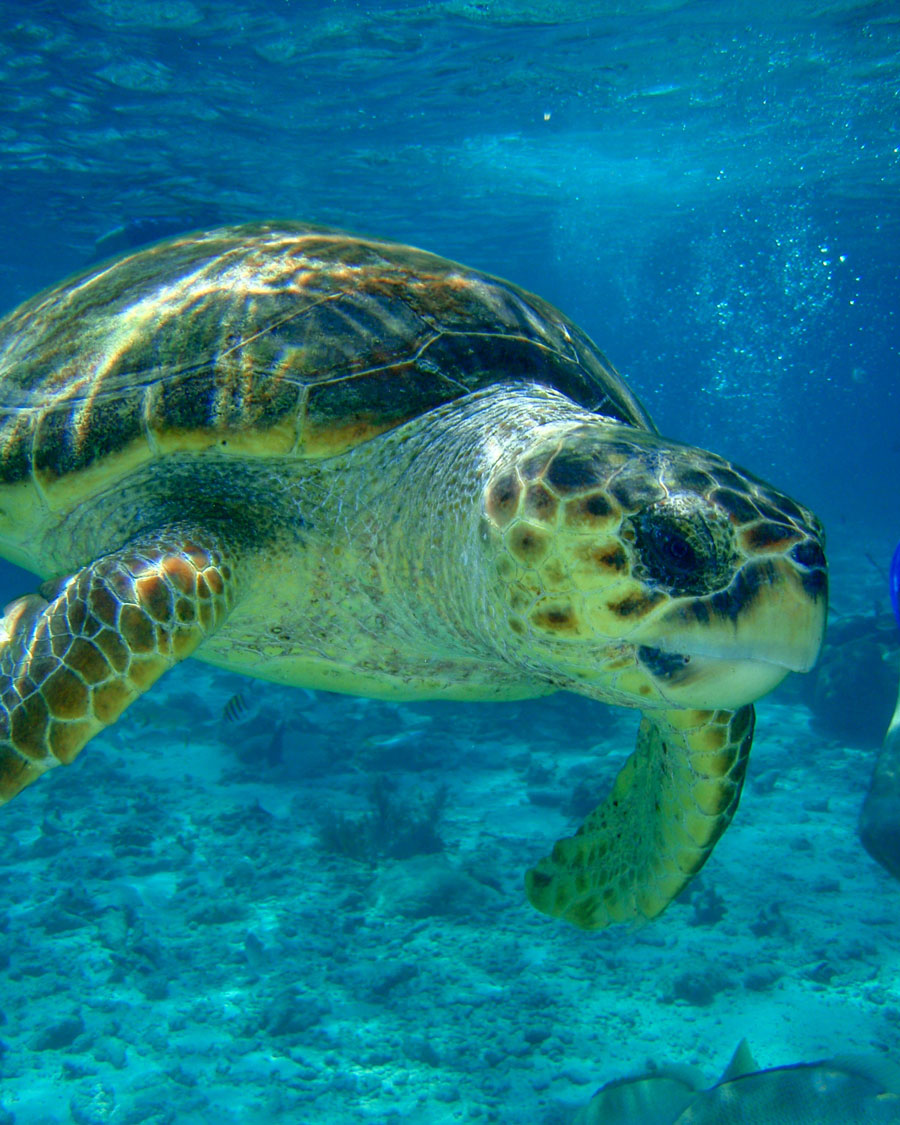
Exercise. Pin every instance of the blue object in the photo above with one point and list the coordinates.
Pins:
(895, 583)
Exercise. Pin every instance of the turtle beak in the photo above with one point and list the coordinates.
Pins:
(778, 622)
(731, 647)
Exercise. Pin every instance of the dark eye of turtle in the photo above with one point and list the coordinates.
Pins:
(678, 553)
(682, 546)
(671, 555)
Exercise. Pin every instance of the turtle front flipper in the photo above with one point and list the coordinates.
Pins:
(71, 662)
(671, 802)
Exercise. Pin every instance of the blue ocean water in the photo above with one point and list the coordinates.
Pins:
(310, 909)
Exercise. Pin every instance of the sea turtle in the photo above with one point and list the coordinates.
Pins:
(348, 464)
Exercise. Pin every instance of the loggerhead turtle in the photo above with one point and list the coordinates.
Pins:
(343, 463)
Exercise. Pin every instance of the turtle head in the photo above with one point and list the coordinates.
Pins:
(651, 574)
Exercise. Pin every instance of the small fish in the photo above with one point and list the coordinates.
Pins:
(836, 1091)
(235, 709)
(895, 583)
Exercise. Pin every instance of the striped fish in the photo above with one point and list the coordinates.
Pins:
(235, 709)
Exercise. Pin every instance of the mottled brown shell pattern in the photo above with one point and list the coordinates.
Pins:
(266, 340)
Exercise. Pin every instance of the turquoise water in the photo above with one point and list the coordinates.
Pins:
(311, 910)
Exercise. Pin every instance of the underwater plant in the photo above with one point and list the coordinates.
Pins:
(395, 828)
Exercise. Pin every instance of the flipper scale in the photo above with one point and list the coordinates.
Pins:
(70, 665)
(670, 803)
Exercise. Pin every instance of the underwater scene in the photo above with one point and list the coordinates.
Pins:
(410, 634)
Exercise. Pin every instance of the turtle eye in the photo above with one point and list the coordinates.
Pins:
(670, 555)
(677, 554)
(683, 547)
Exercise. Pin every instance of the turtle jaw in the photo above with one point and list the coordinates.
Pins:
(709, 682)
(650, 678)
(727, 651)
(722, 650)
(772, 612)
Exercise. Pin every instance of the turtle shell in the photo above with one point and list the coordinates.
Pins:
(267, 339)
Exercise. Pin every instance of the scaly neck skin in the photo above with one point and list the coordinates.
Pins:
(423, 506)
